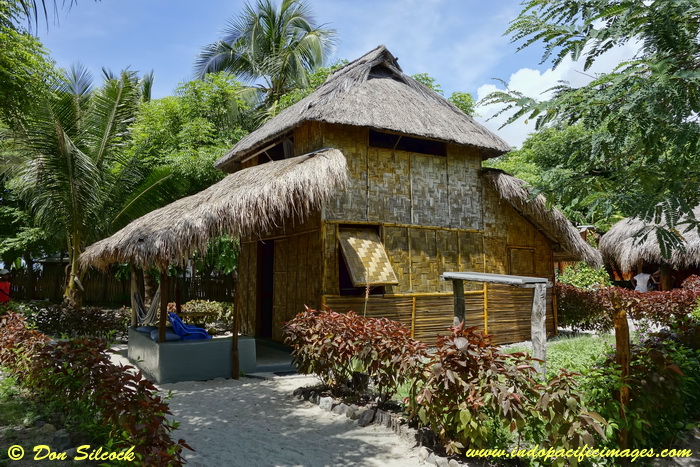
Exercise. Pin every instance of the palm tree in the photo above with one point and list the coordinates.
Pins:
(71, 168)
(279, 46)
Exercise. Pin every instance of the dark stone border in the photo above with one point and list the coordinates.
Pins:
(369, 416)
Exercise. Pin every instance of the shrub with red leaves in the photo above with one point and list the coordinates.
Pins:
(331, 345)
(78, 375)
(592, 309)
(472, 392)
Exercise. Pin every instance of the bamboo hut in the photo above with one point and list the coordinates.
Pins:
(417, 204)
(359, 197)
(626, 254)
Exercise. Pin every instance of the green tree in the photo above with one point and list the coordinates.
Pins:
(187, 132)
(549, 160)
(642, 117)
(24, 65)
(462, 100)
(278, 45)
(71, 169)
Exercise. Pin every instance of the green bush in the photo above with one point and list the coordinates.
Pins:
(664, 387)
(583, 276)
(64, 320)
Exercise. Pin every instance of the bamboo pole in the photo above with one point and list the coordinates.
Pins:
(163, 304)
(486, 307)
(134, 286)
(622, 358)
(413, 317)
(235, 355)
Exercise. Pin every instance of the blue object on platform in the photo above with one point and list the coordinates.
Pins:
(169, 335)
(186, 331)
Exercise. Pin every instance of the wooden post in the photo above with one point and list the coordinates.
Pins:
(178, 295)
(163, 304)
(458, 289)
(665, 277)
(622, 358)
(538, 327)
(133, 289)
(235, 355)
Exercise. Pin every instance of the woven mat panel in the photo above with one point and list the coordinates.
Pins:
(366, 258)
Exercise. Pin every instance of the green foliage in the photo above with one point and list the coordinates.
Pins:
(664, 386)
(219, 311)
(279, 45)
(118, 406)
(471, 390)
(70, 166)
(25, 66)
(428, 81)
(66, 321)
(462, 100)
(186, 133)
(575, 354)
(314, 80)
(641, 118)
(221, 256)
(583, 276)
(551, 160)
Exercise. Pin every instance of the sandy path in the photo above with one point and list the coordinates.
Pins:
(254, 422)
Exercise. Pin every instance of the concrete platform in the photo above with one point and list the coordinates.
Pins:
(192, 360)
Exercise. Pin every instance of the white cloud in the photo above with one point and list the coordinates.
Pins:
(535, 84)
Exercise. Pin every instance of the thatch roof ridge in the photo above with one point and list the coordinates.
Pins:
(249, 202)
(622, 251)
(549, 220)
(373, 91)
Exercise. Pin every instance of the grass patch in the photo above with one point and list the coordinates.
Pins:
(15, 409)
(575, 354)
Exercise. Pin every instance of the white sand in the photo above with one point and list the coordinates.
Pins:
(255, 422)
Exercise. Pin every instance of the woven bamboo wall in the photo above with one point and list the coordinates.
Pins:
(352, 141)
(392, 186)
(435, 215)
(297, 272)
(308, 137)
(247, 288)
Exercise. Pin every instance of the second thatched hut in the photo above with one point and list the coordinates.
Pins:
(627, 253)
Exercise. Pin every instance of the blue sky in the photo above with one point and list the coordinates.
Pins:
(458, 42)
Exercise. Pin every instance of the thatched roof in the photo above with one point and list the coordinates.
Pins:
(622, 251)
(248, 202)
(569, 246)
(373, 91)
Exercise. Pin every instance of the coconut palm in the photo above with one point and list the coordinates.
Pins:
(70, 165)
(278, 45)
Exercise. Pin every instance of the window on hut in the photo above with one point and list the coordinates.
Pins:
(283, 150)
(363, 261)
(380, 139)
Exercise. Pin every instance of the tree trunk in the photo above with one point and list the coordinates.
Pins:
(74, 287)
(149, 287)
(622, 358)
